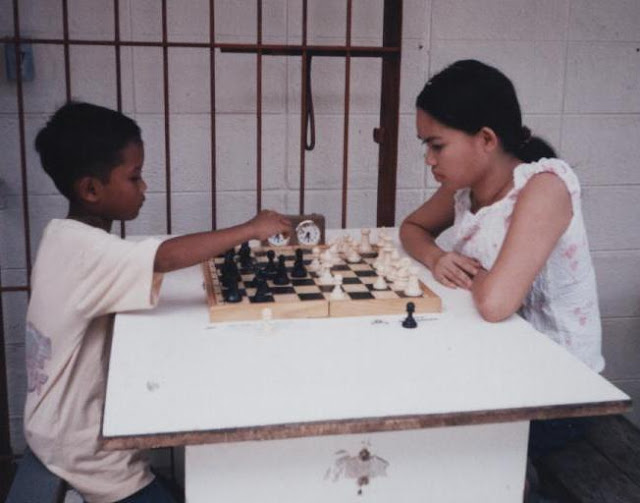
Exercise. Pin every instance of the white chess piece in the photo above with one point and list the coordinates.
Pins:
(353, 257)
(380, 283)
(365, 242)
(337, 293)
(314, 266)
(402, 278)
(267, 319)
(387, 250)
(326, 278)
(413, 286)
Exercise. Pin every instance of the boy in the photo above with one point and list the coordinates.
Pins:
(83, 274)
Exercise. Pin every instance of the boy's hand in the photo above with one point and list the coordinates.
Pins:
(456, 270)
(267, 223)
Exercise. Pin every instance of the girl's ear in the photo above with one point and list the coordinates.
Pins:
(489, 139)
(88, 189)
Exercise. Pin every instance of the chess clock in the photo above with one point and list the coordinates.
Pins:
(308, 230)
(308, 233)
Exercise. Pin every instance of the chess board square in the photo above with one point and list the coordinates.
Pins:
(365, 274)
(325, 288)
(368, 280)
(302, 282)
(369, 255)
(360, 295)
(282, 290)
(348, 274)
(370, 287)
(355, 288)
(347, 280)
(269, 299)
(340, 267)
(289, 297)
(360, 267)
(311, 296)
(313, 288)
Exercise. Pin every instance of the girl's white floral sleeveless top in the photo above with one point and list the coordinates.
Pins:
(562, 302)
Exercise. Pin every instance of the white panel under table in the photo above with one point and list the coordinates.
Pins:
(449, 464)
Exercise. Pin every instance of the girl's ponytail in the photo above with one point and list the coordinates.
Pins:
(532, 148)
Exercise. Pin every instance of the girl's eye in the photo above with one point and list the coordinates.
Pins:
(435, 148)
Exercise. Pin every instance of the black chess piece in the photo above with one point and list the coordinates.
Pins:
(245, 255)
(263, 292)
(410, 321)
(299, 270)
(282, 278)
(229, 268)
(270, 269)
(232, 293)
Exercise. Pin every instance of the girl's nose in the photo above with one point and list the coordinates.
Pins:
(429, 159)
(143, 186)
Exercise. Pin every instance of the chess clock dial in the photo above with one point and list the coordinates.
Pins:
(279, 240)
(308, 233)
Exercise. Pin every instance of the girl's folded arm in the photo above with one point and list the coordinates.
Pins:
(541, 215)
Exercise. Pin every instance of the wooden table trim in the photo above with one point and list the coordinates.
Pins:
(362, 425)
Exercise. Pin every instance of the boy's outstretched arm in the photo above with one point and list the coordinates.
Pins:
(185, 251)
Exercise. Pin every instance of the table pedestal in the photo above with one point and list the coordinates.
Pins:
(449, 464)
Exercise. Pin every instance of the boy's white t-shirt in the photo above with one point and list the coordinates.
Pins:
(81, 275)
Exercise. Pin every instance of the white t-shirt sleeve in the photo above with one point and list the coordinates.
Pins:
(118, 276)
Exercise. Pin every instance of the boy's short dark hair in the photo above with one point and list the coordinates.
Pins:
(81, 140)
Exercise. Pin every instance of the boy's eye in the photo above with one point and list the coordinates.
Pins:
(435, 148)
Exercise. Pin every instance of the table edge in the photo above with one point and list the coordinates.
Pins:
(362, 425)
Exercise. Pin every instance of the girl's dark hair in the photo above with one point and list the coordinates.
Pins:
(82, 139)
(469, 95)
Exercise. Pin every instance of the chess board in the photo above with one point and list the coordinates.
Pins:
(306, 297)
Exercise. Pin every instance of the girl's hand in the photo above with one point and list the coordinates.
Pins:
(456, 270)
(268, 223)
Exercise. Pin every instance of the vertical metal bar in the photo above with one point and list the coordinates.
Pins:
(303, 105)
(5, 428)
(116, 45)
(259, 111)
(389, 108)
(23, 150)
(167, 137)
(116, 36)
(65, 36)
(345, 141)
(212, 79)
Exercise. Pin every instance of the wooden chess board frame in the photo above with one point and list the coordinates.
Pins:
(289, 305)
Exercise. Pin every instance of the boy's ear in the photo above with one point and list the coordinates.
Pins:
(88, 189)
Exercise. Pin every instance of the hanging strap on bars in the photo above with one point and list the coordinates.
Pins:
(310, 140)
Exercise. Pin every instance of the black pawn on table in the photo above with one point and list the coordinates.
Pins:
(281, 278)
(409, 321)
(299, 270)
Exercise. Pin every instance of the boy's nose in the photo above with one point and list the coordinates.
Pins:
(144, 186)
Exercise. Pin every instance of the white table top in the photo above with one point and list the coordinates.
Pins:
(174, 378)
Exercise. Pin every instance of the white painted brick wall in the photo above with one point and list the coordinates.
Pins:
(575, 64)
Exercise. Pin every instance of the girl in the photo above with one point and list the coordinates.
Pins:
(519, 238)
